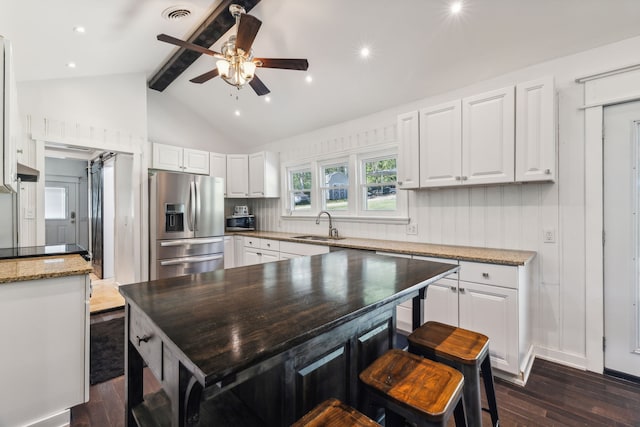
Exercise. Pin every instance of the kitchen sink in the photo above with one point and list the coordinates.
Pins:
(318, 238)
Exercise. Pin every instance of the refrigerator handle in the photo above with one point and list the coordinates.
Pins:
(197, 210)
(191, 210)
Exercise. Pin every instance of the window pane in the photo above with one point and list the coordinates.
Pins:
(55, 203)
(336, 187)
(380, 178)
(300, 189)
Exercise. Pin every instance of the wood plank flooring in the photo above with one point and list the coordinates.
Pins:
(555, 395)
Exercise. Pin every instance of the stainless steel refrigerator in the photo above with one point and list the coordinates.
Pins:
(186, 215)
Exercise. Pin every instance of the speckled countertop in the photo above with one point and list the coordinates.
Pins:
(464, 253)
(21, 269)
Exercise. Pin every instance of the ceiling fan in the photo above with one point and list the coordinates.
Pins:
(236, 64)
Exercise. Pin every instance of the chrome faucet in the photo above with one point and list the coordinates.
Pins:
(333, 232)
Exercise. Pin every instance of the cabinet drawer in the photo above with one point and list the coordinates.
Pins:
(301, 249)
(252, 242)
(453, 276)
(142, 335)
(269, 244)
(489, 274)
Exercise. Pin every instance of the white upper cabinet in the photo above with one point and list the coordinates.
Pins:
(263, 174)
(408, 150)
(441, 145)
(196, 161)
(237, 175)
(488, 137)
(535, 131)
(172, 158)
(218, 167)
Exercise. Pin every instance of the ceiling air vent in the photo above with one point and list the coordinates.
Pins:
(175, 13)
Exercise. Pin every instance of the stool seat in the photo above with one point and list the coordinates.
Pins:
(457, 344)
(428, 387)
(334, 413)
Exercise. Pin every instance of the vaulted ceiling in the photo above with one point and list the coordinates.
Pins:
(418, 48)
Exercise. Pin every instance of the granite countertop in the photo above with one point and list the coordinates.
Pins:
(463, 253)
(42, 267)
(37, 251)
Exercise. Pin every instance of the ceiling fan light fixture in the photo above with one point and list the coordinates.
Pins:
(223, 68)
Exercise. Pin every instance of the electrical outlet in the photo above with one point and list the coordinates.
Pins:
(549, 235)
(412, 228)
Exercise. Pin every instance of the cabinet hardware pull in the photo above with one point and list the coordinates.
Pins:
(19, 151)
(485, 275)
(547, 171)
(458, 178)
(399, 182)
(144, 338)
(453, 288)
(462, 290)
(464, 178)
(259, 253)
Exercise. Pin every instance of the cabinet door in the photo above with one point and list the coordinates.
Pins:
(535, 131)
(441, 302)
(167, 157)
(488, 137)
(237, 175)
(196, 161)
(263, 174)
(441, 145)
(238, 250)
(229, 252)
(408, 150)
(252, 256)
(493, 311)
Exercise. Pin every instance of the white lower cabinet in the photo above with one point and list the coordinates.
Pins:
(487, 298)
(259, 251)
(229, 252)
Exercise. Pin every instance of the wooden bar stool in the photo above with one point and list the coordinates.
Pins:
(415, 389)
(334, 413)
(467, 351)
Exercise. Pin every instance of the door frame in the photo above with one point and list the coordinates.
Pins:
(600, 90)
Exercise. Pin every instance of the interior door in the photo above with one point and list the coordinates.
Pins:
(61, 207)
(621, 245)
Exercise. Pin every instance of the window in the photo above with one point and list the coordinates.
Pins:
(300, 189)
(335, 188)
(357, 185)
(55, 203)
(379, 184)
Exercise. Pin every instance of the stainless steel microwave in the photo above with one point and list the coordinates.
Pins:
(241, 223)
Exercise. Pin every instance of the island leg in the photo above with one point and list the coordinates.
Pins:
(417, 309)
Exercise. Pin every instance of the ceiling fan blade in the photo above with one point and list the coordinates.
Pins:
(286, 64)
(259, 87)
(247, 30)
(172, 40)
(205, 77)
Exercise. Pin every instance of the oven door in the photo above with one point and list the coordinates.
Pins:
(173, 267)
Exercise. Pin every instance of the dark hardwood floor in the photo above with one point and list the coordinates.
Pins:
(555, 395)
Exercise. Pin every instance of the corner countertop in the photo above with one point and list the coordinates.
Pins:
(38, 251)
(462, 253)
(42, 267)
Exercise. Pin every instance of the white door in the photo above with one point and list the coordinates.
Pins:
(237, 175)
(622, 228)
(408, 150)
(60, 210)
(441, 303)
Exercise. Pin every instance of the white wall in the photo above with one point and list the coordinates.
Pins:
(509, 216)
(172, 122)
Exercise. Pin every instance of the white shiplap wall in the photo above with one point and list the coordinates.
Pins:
(508, 216)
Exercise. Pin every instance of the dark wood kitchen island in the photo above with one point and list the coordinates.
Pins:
(263, 344)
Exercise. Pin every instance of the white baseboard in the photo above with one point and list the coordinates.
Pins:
(61, 419)
(562, 358)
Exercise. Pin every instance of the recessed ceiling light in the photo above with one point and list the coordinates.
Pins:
(456, 7)
(365, 52)
(267, 99)
(308, 79)
(71, 64)
(237, 113)
(79, 30)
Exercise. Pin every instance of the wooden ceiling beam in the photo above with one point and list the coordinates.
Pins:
(210, 31)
